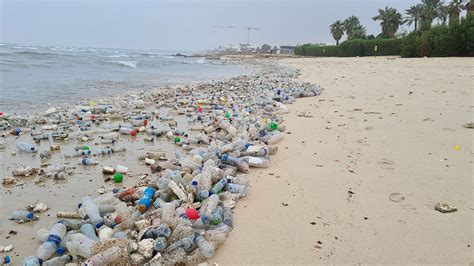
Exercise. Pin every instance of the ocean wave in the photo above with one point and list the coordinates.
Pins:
(132, 64)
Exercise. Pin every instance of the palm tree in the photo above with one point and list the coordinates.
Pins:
(414, 15)
(359, 33)
(337, 30)
(431, 11)
(390, 20)
(443, 14)
(454, 10)
(350, 24)
(469, 6)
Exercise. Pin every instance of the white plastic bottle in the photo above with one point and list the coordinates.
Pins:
(48, 248)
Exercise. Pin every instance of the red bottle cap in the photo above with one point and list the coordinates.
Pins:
(133, 132)
(192, 214)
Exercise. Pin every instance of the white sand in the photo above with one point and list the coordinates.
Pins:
(394, 141)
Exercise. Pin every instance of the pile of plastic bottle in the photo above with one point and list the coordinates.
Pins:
(183, 211)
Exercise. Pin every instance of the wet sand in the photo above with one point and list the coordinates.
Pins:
(382, 126)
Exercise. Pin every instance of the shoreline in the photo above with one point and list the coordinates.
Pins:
(64, 195)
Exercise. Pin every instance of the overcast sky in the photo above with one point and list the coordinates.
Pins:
(180, 25)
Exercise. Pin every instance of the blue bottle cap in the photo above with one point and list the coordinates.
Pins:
(115, 190)
(30, 215)
(6, 259)
(99, 225)
(194, 183)
(247, 145)
(225, 157)
(60, 250)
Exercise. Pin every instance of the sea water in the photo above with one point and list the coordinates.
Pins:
(33, 77)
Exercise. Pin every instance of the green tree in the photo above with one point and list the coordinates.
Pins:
(431, 11)
(359, 33)
(469, 7)
(414, 14)
(350, 24)
(390, 20)
(454, 10)
(337, 30)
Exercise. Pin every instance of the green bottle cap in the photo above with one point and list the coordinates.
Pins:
(118, 177)
(227, 115)
(85, 148)
(273, 125)
(177, 139)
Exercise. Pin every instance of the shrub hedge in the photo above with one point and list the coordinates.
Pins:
(353, 48)
(457, 39)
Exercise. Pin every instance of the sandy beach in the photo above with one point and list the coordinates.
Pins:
(355, 180)
(383, 125)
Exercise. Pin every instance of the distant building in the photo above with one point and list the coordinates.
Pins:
(285, 49)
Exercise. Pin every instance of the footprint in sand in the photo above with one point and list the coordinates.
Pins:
(386, 164)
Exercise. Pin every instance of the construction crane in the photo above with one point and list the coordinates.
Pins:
(247, 28)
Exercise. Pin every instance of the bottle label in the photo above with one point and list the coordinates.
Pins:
(54, 238)
(255, 160)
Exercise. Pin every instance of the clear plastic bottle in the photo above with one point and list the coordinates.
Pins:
(274, 138)
(256, 161)
(240, 179)
(160, 244)
(92, 211)
(227, 216)
(205, 246)
(88, 230)
(31, 261)
(219, 186)
(212, 202)
(24, 216)
(87, 161)
(238, 162)
(177, 191)
(106, 257)
(219, 234)
(162, 230)
(216, 216)
(236, 188)
(48, 247)
(26, 147)
(167, 213)
(128, 131)
(59, 261)
(80, 245)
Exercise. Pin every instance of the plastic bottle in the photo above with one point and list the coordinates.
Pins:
(205, 246)
(256, 161)
(106, 257)
(162, 230)
(238, 162)
(227, 217)
(236, 188)
(87, 161)
(24, 216)
(80, 245)
(26, 147)
(219, 186)
(48, 247)
(105, 151)
(88, 230)
(255, 150)
(59, 261)
(160, 244)
(167, 213)
(127, 131)
(92, 211)
(216, 216)
(275, 138)
(177, 178)
(218, 235)
(240, 179)
(146, 200)
(31, 261)
(177, 190)
(212, 202)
